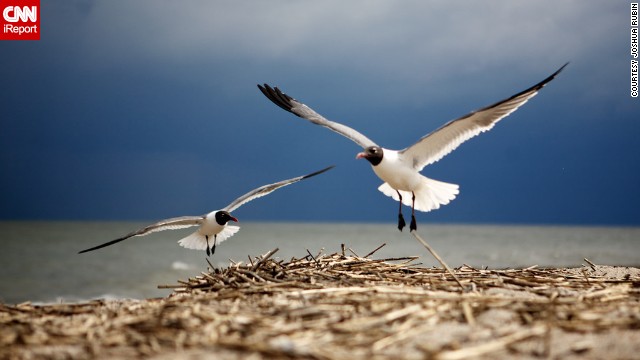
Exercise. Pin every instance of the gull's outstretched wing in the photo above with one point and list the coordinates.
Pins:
(439, 143)
(168, 224)
(267, 189)
(297, 108)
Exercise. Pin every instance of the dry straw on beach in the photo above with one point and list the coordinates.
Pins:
(343, 305)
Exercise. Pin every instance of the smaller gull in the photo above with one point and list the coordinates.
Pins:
(400, 169)
(211, 225)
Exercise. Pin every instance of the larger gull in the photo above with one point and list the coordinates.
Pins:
(400, 169)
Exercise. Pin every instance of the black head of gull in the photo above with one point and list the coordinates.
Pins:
(373, 154)
(223, 217)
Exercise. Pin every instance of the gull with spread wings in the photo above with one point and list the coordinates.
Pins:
(400, 169)
(212, 226)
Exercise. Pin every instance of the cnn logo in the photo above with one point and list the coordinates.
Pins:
(20, 20)
(15, 13)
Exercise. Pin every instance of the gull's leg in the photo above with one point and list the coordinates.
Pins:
(413, 225)
(208, 252)
(215, 241)
(401, 222)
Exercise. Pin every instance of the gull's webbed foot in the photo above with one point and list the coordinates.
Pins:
(414, 225)
(401, 222)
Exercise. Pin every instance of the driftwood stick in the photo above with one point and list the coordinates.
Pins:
(170, 286)
(468, 313)
(313, 258)
(353, 252)
(492, 346)
(435, 255)
(210, 266)
(376, 249)
(264, 258)
(593, 266)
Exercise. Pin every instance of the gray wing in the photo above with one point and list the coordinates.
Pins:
(297, 108)
(439, 143)
(168, 224)
(267, 189)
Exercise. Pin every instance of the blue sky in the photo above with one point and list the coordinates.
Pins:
(149, 109)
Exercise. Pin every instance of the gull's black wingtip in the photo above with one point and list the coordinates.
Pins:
(277, 97)
(87, 250)
(107, 243)
(262, 89)
(544, 82)
(91, 249)
(318, 172)
(266, 90)
(559, 70)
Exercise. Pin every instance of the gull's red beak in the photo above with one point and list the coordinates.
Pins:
(361, 155)
(234, 219)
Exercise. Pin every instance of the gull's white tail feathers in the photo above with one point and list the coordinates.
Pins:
(429, 195)
(197, 241)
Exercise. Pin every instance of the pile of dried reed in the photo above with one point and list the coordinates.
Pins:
(347, 306)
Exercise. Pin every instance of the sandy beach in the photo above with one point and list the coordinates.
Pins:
(342, 305)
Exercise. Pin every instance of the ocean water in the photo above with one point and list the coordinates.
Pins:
(40, 261)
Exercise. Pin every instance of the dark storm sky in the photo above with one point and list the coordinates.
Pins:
(149, 109)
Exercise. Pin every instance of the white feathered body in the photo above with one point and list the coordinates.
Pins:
(210, 228)
(400, 175)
